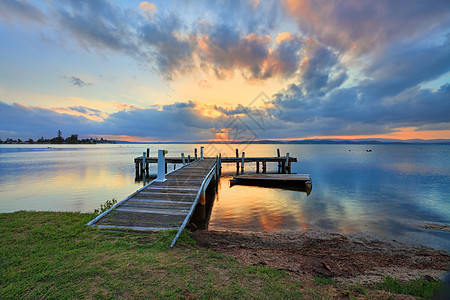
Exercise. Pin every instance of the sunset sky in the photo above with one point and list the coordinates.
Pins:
(225, 70)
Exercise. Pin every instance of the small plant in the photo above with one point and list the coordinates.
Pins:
(323, 280)
(424, 287)
(105, 206)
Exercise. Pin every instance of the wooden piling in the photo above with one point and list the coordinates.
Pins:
(287, 163)
(243, 160)
(279, 164)
(264, 167)
(143, 163)
(195, 153)
(189, 159)
(237, 162)
(220, 163)
(257, 167)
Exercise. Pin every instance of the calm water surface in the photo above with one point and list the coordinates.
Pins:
(388, 191)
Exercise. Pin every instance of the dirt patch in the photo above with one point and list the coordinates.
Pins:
(345, 258)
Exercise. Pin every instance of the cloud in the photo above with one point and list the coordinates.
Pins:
(12, 10)
(361, 27)
(148, 8)
(77, 81)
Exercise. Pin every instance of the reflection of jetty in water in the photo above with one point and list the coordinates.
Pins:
(292, 182)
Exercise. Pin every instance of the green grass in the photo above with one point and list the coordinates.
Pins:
(55, 255)
(422, 287)
(324, 280)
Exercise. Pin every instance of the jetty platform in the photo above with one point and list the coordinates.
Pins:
(162, 205)
(169, 201)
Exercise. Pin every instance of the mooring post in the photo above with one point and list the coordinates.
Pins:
(182, 159)
(137, 168)
(195, 153)
(201, 152)
(264, 167)
(220, 163)
(237, 162)
(257, 167)
(143, 163)
(162, 166)
(279, 164)
(288, 164)
(242, 165)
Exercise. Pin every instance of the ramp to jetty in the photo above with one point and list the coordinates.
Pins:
(162, 205)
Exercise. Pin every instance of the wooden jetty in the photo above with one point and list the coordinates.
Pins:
(163, 205)
(169, 201)
(284, 162)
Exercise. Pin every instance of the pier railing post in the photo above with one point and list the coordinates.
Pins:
(195, 153)
(220, 163)
(237, 162)
(279, 164)
(182, 159)
(189, 159)
(287, 163)
(242, 164)
(201, 152)
(143, 163)
(161, 176)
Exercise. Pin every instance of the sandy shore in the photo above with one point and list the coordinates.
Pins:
(342, 257)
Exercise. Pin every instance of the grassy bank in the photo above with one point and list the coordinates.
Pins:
(55, 255)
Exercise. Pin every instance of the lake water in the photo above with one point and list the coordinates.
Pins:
(388, 192)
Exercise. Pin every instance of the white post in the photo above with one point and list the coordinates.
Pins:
(143, 163)
(201, 152)
(182, 159)
(161, 177)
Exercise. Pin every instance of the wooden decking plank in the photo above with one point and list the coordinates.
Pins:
(156, 201)
(168, 212)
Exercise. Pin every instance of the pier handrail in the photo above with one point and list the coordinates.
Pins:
(188, 217)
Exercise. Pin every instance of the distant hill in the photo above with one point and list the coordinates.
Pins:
(313, 142)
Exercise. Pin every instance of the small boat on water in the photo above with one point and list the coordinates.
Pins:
(295, 182)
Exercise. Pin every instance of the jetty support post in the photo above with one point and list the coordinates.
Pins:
(264, 167)
(189, 159)
(182, 159)
(136, 165)
(220, 164)
(237, 162)
(143, 164)
(257, 167)
(162, 166)
(146, 164)
(279, 164)
(195, 153)
(287, 164)
(242, 164)
(201, 152)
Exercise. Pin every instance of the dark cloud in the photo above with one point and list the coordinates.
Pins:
(173, 52)
(86, 110)
(364, 26)
(12, 10)
(77, 81)
(97, 24)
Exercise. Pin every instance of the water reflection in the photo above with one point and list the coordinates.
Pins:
(386, 191)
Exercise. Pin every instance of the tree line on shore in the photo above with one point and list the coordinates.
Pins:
(73, 139)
